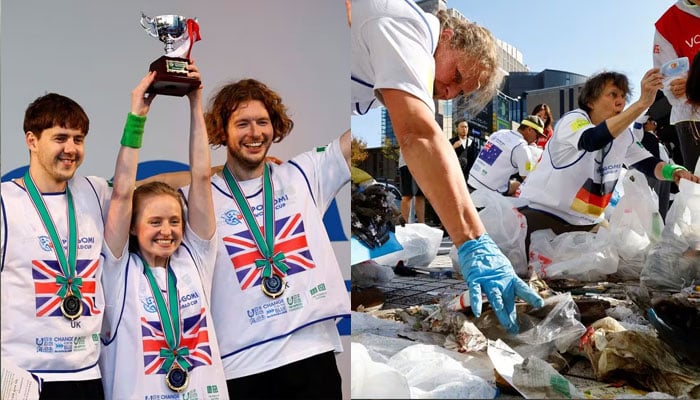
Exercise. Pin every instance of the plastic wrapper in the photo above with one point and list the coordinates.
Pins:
(674, 262)
(639, 358)
(420, 244)
(551, 328)
(374, 380)
(536, 379)
(635, 225)
(505, 224)
(432, 372)
(585, 256)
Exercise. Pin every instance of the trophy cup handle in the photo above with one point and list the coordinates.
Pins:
(149, 25)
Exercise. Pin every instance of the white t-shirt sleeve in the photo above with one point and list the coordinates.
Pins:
(563, 145)
(326, 172)
(636, 152)
(401, 56)
(522, 158)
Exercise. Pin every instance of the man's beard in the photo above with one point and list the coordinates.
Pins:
(247, 163)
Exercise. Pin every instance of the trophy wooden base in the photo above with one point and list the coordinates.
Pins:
(171, 78)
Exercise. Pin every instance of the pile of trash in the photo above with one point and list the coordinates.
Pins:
(620, 346)
(624, 300)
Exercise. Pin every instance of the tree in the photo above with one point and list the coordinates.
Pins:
(390, 149)
(358, 151)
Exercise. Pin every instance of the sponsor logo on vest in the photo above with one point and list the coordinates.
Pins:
(212, 389)
(609, 169)
(45, 243)
(60, 344)
(191, 395)
(170, 396)
(274, 308)
(79, 343)
(189, 300)
(149, 304)
(318, 291)
(44, 345)
(84, 243)
(165, 396)
(234, 217)
(294, 302)
(255, 315)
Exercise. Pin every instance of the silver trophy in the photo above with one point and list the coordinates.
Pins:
(171, 73)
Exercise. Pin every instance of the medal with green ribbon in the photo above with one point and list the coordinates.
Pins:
(68, 284)
(272, 265)
(174, 356)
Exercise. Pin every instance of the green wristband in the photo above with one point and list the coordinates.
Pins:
(133, 131)
(668, 170)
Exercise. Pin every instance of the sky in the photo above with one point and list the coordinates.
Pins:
(583, 37)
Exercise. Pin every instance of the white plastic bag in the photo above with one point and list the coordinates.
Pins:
(420, 244)
(374, 380)
(635, 224)
(432, 372)
(585, 256)
(505, 224)
(674, 262)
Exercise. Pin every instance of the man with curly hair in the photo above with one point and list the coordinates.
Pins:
(277, 287)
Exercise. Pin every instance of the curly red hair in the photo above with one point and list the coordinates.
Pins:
(225, 102)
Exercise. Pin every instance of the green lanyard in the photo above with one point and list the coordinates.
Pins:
(265, 245)
(169, 314)
(68, 282)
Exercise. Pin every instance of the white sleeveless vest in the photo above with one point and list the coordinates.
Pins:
(35, 334)
(315, 290)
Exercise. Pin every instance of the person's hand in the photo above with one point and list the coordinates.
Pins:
(193, 72)
(274, 160)
(140, 100)
(652, 82)
(457, 144)
(677, 87)
(513, 187)
(348, 11)
(486, 269)
(683, 174)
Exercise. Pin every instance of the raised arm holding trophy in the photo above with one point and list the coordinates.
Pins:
(179, 34)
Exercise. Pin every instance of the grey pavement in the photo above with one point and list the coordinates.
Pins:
(431, 283)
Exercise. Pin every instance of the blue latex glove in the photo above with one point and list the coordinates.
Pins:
(486, 268)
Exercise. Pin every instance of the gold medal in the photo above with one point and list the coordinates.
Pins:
(177, 378)
(273, 286)
(71, 307)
